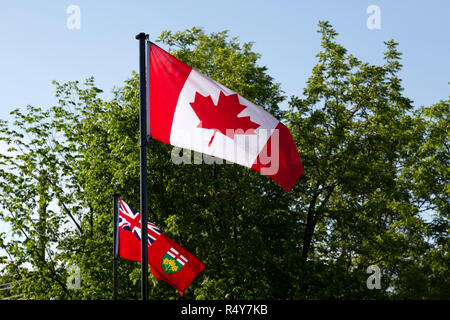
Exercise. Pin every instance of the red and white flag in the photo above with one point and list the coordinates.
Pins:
(191, 111)
(168, 261)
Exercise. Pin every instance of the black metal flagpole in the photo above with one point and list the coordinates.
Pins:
(115, 242)
(142, 37)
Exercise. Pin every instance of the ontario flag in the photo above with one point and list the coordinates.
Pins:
(168, 261)
(191, 111)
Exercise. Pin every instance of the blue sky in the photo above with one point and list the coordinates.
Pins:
(37, 47)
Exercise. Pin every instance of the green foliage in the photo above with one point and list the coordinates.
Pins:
(375, 188)
(370, 168)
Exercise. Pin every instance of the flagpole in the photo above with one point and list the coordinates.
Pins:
(115, 242)
(142, 37)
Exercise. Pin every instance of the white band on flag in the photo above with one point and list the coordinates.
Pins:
(181, 262)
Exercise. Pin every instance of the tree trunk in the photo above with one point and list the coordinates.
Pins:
(42, 213)
(309, 228)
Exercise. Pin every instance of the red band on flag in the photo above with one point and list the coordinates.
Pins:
(166, 79)
(279, 159)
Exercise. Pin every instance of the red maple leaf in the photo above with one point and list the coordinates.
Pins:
(223, 116)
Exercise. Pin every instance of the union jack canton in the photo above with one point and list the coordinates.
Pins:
(130, 220)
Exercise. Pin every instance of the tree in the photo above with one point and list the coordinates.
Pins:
(425, 274)
(357, 135)
(367, 155)
(221, 213)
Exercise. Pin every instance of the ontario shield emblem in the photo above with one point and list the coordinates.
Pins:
(173, 261)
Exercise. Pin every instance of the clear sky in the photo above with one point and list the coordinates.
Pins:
(37, 46)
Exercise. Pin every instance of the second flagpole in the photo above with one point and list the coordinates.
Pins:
(115, 242)
(142, 37)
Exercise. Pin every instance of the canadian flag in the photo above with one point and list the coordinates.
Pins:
(191, 111)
